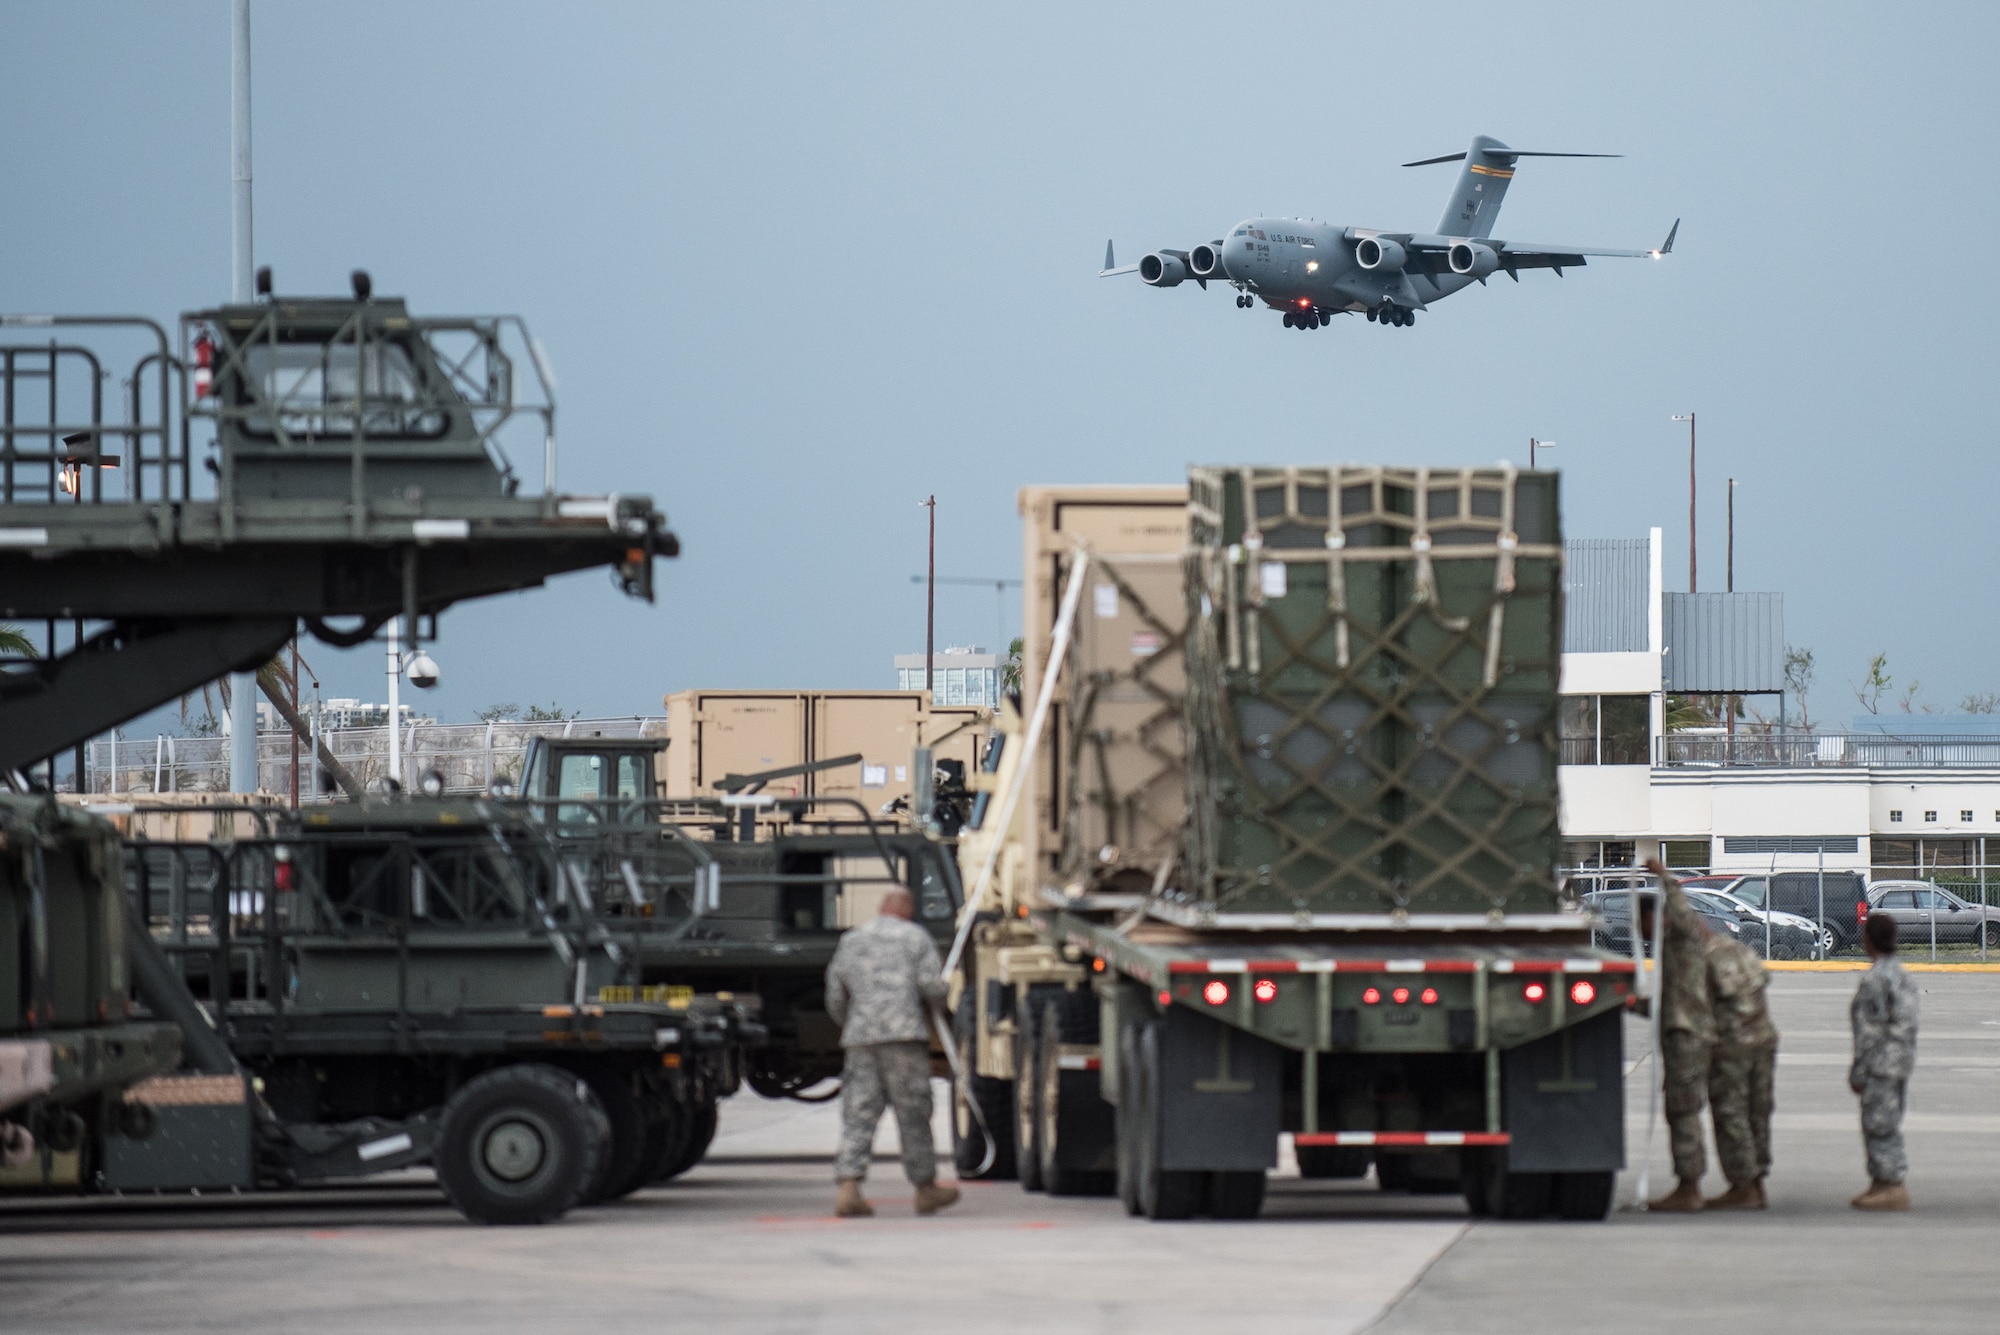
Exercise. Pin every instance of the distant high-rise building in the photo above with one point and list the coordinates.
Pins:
(960, 675)
(340, 712)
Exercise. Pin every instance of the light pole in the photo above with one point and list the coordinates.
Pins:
(1730, 575)
(1689, 419)
(1534, 445)
(930, 603)
(242, 685)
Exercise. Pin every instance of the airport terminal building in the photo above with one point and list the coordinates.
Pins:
(1890, 795)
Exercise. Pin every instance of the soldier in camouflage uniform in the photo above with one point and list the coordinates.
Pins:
(1884, 1016)
(884, 976)
(1687, 1035)
(1740, 1070)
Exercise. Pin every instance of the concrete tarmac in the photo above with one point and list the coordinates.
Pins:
(745, 1242)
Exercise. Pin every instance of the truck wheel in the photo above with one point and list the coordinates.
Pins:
(621, 1169)
(1511, 1195)
(1392, 1172)
(1128, 1121)
(995, 1099)
(1333, 1161)
(697, 1132)
(1069, 1018)
(1584, 1195)
(1235, 1195)
(1027, 1102)
(520, 1145)
(1163, 1194)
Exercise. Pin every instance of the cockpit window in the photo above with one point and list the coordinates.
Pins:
(1241, 231)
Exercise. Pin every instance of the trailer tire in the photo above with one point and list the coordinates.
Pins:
(693, 1135)
(1236, 1195)
(1163, 1193)
(621, 1170)
(1128, 1122)
(520, 1144)
(1027, 1101)
(1504, 1194)
(1584, 1195)
(1341, 1162)
(1069, 1017)
(995, 1100)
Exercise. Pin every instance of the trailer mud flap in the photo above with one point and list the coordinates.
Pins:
(1220, 1096)
(1565, 1099)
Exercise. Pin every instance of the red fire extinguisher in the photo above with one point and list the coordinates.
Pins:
(204, 365)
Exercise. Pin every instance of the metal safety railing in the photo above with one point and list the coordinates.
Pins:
(1802, 750)
(468, 756)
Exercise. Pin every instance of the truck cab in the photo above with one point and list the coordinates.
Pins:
(586, 780)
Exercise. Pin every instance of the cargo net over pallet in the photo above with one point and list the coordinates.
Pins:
(1372, 663)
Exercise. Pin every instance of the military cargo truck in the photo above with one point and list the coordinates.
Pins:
(1272, 846)
(69, 1049)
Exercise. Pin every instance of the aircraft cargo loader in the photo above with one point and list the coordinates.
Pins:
(1270, 845)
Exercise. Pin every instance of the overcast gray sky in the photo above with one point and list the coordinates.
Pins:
(798, 267)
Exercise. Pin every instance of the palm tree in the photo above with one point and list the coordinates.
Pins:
(15, 642)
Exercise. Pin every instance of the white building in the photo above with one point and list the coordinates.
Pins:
(960, 675)
(339, 712)
(1905, 795)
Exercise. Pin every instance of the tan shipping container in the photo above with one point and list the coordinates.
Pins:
(712, 734)
(1128, 639)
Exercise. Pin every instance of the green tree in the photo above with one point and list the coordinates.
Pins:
(1875, 685)
(1981, 702)
(553, 714)
(500, 713)
(1798, 678)
(15, 642)
(1010, 668)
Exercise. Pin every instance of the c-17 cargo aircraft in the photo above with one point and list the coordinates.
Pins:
(1311, 270)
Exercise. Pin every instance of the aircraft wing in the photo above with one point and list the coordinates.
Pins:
(1427, 252)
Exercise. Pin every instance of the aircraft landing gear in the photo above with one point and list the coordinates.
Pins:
(1389, 313)
(1289, 319)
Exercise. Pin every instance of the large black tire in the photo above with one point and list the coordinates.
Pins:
(699, 1123)
(1128, 1118)
(1068, 1017)
(1027, 1101)
(995, 1100)
(1504, 1194)
(1334, 1161)
(520, 1144)
(1584, 1195)
(1236, 1195)
(1163, 1194)
(621, 1170)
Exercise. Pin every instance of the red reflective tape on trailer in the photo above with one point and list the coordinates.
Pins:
(1274, 966)
(1360, 966)
(1066, 1063)
(1452, 966)
(1402, 1139)
(1187, 966)
(1583, 966)
(1403, 966)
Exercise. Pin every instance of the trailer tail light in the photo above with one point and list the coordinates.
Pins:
(1534, 993)
(1429, 996)
(281, 868)
(1166, 998)
(1372, 997)
(1265, 990)
(1215, 991)
(1583, 991)
(1401, 996)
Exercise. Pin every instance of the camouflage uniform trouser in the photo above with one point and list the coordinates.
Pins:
(1882, 1128)
(1739, 1099)
(896, 1074)
(1684, 1067)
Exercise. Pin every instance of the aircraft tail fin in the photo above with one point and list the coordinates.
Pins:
(1482, 184)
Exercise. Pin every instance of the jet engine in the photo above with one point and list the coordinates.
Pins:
(1379, 254)
(1472, 259)
(1160, 270)
(1205, 260)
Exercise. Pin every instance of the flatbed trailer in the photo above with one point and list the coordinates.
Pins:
(1273, 853)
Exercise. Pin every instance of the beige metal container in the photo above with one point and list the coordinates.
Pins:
(713, 734)
(1107, 792)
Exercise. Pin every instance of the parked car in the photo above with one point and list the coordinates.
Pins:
(1918, 906)
(1799, 892)
(1614, 908)
(1788, 930)
(1789, 937)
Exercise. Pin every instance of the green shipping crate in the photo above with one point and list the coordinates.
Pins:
(1372, 707)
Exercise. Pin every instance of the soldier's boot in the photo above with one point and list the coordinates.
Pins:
(1763, 1201)
(852, 1204)
(931, 1197)
(1883, 1196)
(1740, 1196)
(1685, 1198)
